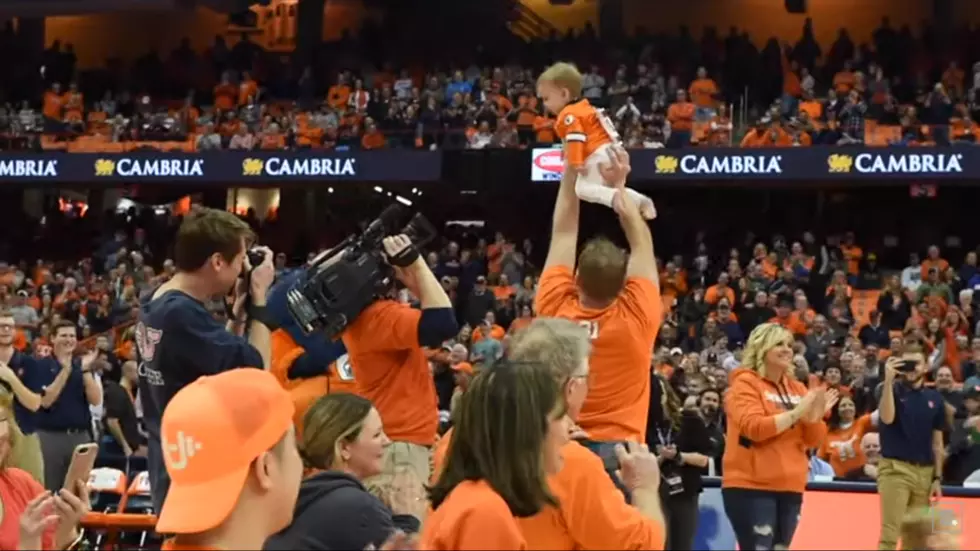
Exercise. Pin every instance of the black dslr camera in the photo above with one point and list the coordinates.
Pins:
(341, 282)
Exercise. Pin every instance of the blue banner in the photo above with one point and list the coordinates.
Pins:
(785, 163)
(223, 167)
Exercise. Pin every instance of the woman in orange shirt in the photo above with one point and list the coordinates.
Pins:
(510, 428)
(772, 421)
(31, 518)
(842, 447)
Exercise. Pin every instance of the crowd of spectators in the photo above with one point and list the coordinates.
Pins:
(662, 90)
(847, 313)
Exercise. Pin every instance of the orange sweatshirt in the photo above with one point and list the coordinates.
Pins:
(756, 457)
(304, 392)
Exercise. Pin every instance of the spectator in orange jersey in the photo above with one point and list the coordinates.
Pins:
(772, 421)
(592, 512)
(617, 298)
(308, 375)
(720, 290)
(703, 91)
(681, 115)
(385, 345)
(933, 261)
(231, 454)
(845, 430)
(488, 328)
(785, 316)
(510, 429)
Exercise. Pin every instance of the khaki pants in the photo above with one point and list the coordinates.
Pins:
(401, 457)
(27, 456)
(902, 487)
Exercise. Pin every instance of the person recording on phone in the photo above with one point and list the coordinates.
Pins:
(385, 347)
(912, 419)
(177, 338)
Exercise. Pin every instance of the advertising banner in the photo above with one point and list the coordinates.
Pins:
(222, 167)
(785, 163)
(836, 520)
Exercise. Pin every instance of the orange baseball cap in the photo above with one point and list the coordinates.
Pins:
(212, 430)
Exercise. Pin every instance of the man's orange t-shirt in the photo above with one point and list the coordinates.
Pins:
(703, 92)
(472, 517)
(716, 293)
(842, 447)
(681, 115)
(791, 323)
(622, 346)
(391, 370)
(495, 332)
(591, 512)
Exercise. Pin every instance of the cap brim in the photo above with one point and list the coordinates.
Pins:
(196, 508)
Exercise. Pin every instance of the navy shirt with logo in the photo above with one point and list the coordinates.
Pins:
(27, 370)
(918, 412)
(71, 410)
(177, 341)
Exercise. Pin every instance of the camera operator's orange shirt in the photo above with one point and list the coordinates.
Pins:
(391, 370)
(622, 348)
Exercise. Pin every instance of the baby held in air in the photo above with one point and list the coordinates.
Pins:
(587, 134)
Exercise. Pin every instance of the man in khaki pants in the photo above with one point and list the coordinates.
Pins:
(912, 421)
(386, 345)
(21, 388)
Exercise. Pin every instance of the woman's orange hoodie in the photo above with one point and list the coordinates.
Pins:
(757, 458)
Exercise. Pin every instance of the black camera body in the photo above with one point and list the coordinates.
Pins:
(341, 282)
(255, 257)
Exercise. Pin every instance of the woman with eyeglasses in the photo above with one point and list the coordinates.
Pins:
(592, 512)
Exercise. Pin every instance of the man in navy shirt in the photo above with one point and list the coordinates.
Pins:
(178, 339)
(19, 374)
(913, 418)
(70, 389)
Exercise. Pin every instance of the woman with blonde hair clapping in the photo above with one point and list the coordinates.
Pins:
(772, 421)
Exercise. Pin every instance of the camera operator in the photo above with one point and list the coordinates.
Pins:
(385, 346)
(913, 419)
(177, 338)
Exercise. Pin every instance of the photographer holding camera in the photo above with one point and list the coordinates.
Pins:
(177, 338)
(385, 346)
(913, 419)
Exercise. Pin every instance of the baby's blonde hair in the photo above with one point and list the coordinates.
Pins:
(763, 339)
(563, 75)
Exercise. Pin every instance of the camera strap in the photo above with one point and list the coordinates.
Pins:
(405, 257)
(262, 315)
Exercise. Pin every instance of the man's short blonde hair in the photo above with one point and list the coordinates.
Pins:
(601, 269)
(560, 345)
(563, 75)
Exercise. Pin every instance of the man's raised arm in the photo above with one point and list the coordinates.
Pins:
(643, 261)
(564, 224)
